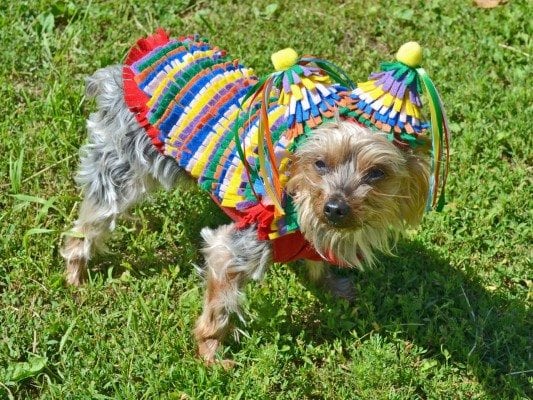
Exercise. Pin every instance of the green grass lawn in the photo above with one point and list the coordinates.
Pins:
(448, 318)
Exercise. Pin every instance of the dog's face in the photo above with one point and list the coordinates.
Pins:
(351, 186)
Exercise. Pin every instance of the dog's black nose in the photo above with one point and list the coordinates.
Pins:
(336, 210)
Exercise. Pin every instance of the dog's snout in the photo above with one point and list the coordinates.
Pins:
(336, 210)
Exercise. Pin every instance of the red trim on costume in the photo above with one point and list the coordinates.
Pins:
(135, 98)
(259, 215)
(286, 248)
(292, 247)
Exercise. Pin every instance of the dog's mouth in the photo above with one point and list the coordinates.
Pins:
(351, 223)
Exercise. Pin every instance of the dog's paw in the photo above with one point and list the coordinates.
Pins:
(76, 273)
(207, 349)
(227, 364)
(340, 287)
(74, 251)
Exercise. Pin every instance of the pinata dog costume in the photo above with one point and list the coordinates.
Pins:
(307, 165)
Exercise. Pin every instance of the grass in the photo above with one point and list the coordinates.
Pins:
(448, 318)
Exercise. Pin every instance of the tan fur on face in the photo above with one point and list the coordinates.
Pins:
(379, 209)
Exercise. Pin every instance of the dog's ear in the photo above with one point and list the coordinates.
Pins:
(296, 175)
(416, 187)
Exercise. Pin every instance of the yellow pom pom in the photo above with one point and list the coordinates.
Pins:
(284, 59)
(410, 54)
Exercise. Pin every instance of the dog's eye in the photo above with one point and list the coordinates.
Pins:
(321, 166)
(375, 174)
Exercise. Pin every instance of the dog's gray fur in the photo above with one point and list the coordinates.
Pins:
(117, 167)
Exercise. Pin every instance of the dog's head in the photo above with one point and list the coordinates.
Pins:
(353, 189)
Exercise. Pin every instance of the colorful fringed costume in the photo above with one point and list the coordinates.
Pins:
(390, 102)
(234, 133)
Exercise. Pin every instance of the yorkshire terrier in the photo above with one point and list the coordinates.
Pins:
(353, 189)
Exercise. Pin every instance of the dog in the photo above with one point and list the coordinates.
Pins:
(352, 189)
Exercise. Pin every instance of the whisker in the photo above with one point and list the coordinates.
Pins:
(390, 195)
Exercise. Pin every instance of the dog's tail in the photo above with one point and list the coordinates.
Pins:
(105, 84)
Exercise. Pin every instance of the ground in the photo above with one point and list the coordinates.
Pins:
(447, 318)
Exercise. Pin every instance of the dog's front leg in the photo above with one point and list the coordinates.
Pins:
(323, 275)
(232, 257)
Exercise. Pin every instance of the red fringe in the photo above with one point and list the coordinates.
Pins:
(259, 215)
(135, 98)
(286, 248)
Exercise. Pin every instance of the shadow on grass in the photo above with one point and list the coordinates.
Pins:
(416, 294)
(419, 295)
(179, 246)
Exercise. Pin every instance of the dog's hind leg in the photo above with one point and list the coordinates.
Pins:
(110, 186)
(232, 257)
(118, 166)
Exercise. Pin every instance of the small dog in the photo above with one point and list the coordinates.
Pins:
(353, 190)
